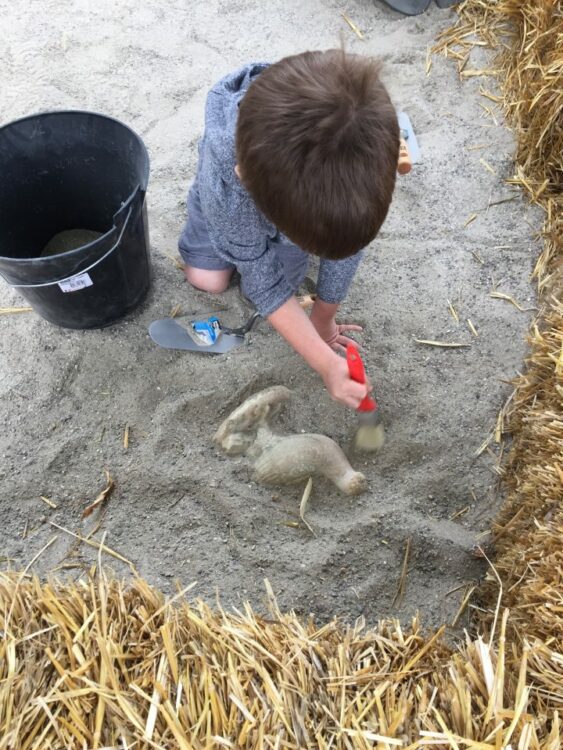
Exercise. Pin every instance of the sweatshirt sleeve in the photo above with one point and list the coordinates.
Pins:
(262, 276)
(335, 277)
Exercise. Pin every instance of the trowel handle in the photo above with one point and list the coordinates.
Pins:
(242, 330)
(405, 164)
(358, 373)
(250, 322)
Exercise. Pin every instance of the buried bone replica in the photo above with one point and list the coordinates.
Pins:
(284, 459)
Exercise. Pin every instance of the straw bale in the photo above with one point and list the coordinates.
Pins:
(98, 664)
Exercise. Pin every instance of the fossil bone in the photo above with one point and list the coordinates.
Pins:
(295, 458)
(284, 459)
(249, 423)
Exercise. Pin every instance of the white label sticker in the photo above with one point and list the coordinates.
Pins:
(76, 282)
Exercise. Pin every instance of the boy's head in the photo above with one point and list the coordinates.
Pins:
(317, 146)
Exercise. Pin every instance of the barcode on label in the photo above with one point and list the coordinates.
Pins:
(76, 282)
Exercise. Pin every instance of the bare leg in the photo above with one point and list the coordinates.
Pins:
(214, 282)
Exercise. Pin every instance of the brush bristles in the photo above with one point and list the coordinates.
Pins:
(369, 438)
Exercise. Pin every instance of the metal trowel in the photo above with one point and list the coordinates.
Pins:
(169, 334)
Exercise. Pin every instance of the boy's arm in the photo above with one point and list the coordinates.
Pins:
(334, 279)
(294, 325)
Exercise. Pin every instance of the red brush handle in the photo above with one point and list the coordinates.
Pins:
(357, 373)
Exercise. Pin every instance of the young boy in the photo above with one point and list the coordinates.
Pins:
(297, 158)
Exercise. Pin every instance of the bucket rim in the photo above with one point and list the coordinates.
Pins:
(90, 113)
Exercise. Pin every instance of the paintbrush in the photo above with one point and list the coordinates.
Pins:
(370, 435)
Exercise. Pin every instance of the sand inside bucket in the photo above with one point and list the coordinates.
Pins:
(70, 239)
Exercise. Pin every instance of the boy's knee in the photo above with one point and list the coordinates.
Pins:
(213, 282)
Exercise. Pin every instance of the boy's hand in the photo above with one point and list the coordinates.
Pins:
(341, 387)
(335, 334)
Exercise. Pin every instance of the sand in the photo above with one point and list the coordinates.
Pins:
(181, 511)
(70, 239)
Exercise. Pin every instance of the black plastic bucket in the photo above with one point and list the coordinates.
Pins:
(67, 170)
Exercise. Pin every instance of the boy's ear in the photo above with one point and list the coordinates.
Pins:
(237, 171)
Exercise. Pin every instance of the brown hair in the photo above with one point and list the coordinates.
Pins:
(317, 145)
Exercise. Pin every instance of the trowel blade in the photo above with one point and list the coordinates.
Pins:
(169, 334)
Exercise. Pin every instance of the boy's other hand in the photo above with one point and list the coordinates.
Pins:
(333, 333)
(341, 387)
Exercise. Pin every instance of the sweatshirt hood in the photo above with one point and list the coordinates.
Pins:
(221, 113)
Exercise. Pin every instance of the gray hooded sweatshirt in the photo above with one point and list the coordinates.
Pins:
(240, 234)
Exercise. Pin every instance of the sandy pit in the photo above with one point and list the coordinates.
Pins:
(181, 511)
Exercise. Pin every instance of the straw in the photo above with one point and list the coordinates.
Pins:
(96, 545)
(510, 298)
(49, 502)
(108, 489)
(402, 586)
(304, 501)
(175, 260)
(487, 166)
(443, 344)
(472, 328)
(14, 310)
(352, 25)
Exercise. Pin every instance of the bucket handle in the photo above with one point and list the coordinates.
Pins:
(83, 270)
